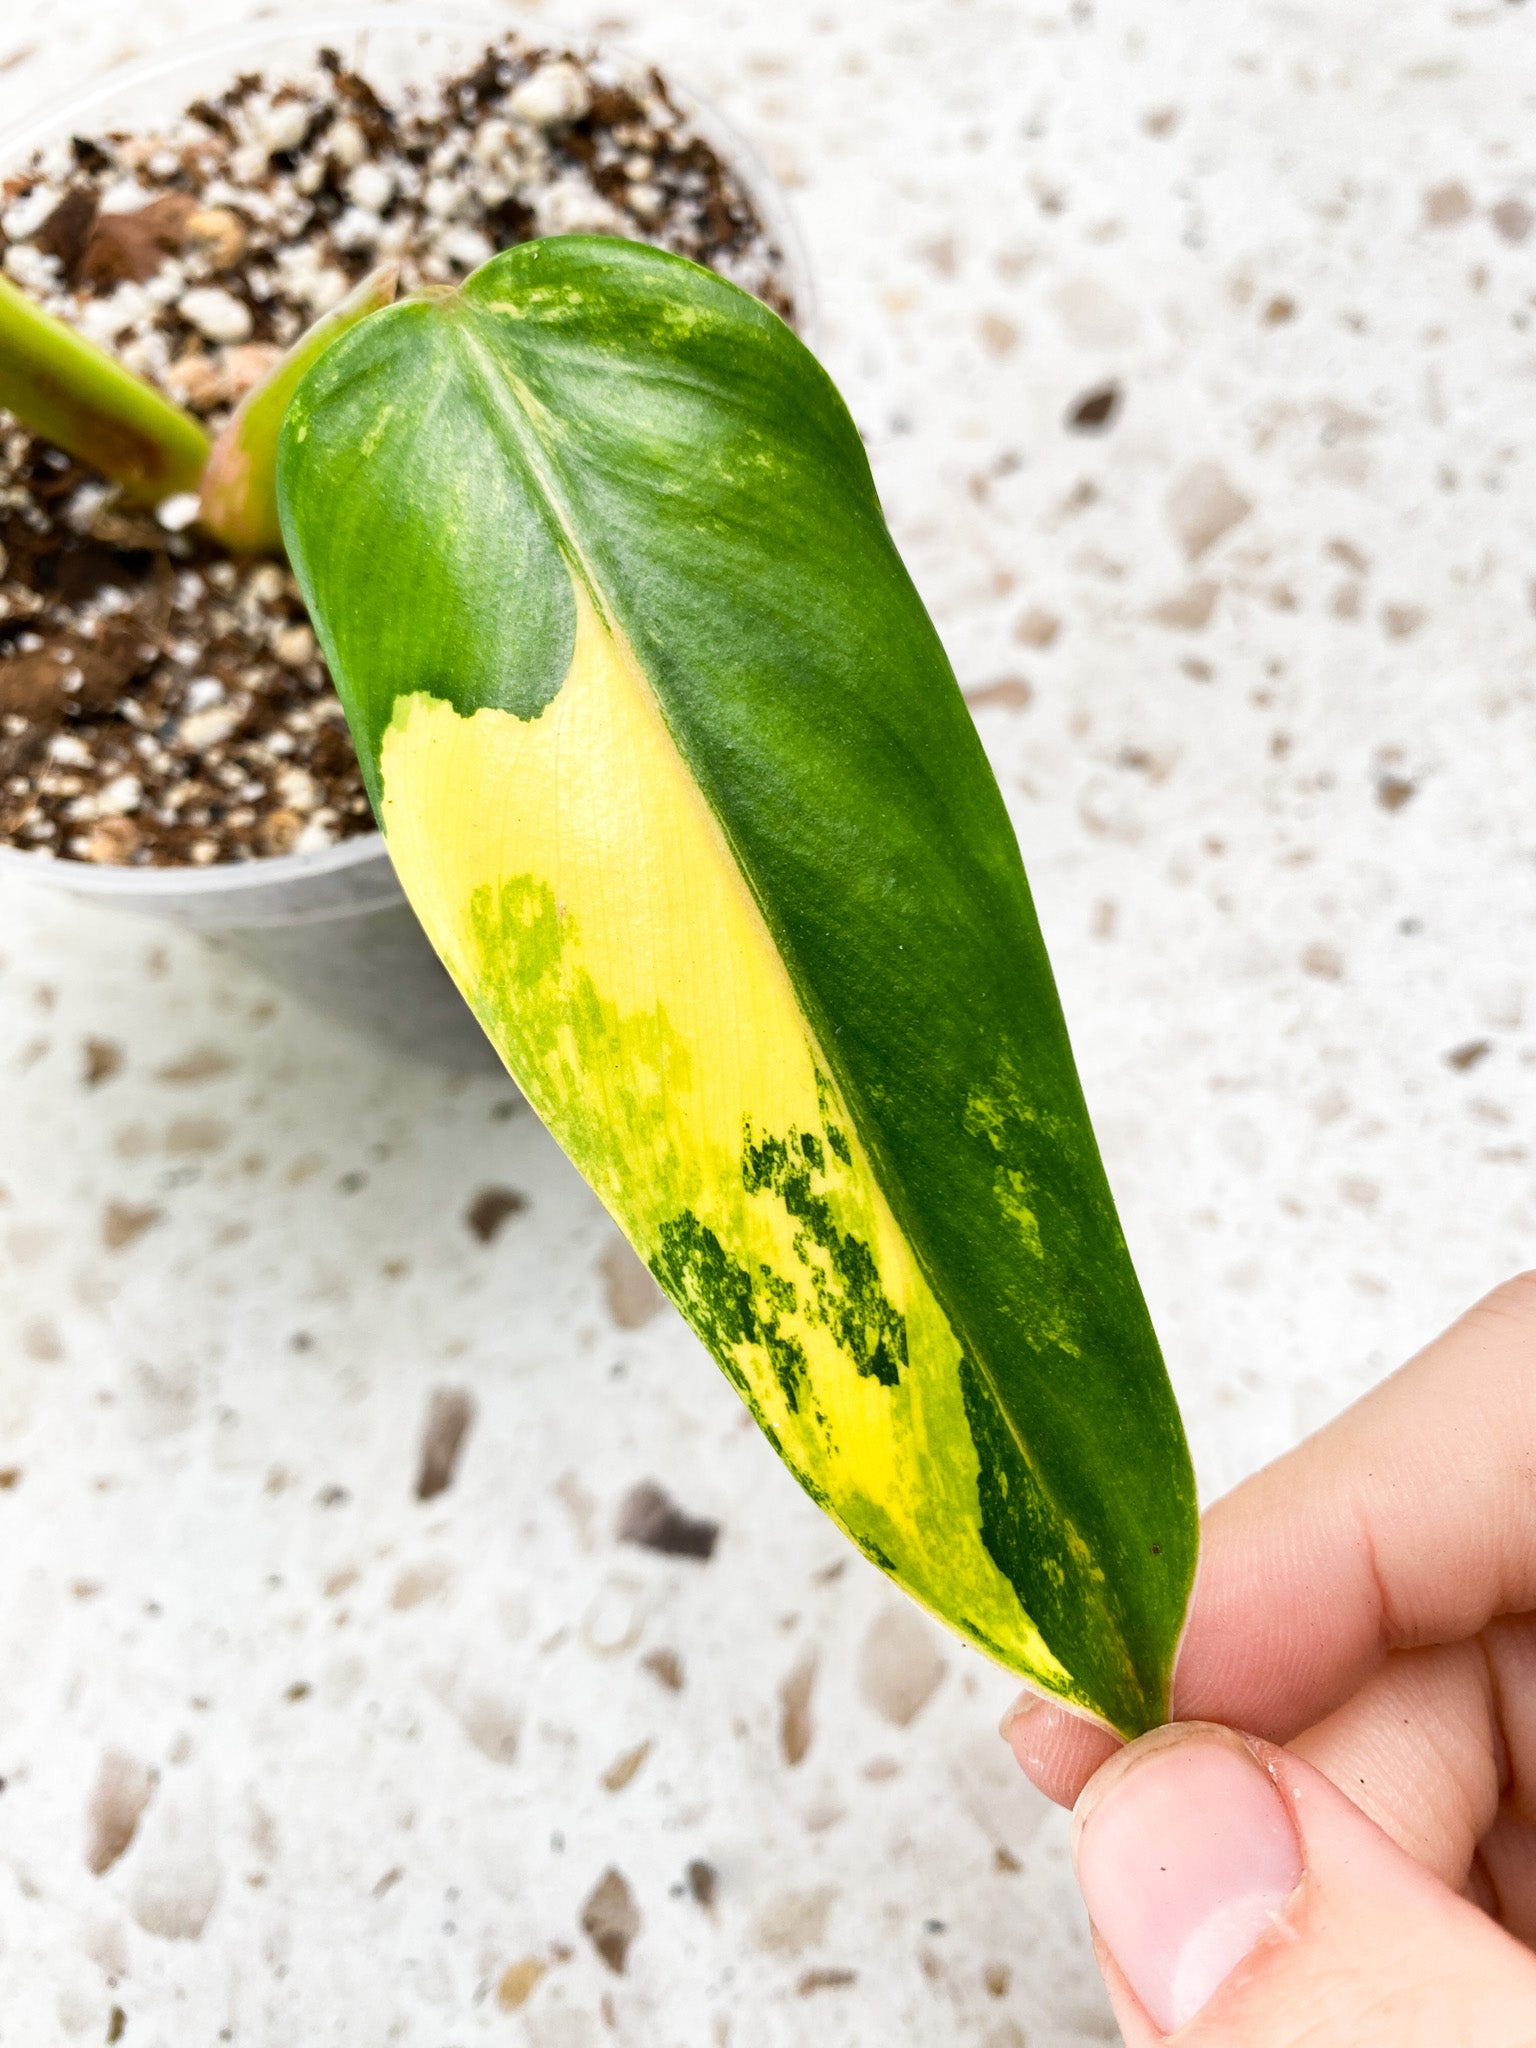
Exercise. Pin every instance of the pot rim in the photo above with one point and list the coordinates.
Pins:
(237, 879)
(223, 879)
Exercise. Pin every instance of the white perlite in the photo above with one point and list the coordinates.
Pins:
(201, 729)
(371, 186)
(115, 799)
(27, 214)
(217, 313)
(555, 92)
(177, 512)
(282, 126)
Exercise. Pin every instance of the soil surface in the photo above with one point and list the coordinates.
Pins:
(161, 704)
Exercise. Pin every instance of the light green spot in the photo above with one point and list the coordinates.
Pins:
(1012, 1193)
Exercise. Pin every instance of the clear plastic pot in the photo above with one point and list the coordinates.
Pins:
(333, 926)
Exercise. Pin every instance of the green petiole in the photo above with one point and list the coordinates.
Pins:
(75, 394)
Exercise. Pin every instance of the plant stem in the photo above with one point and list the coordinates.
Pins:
(239, 504)
(71, 392)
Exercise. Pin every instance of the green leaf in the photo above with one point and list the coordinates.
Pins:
(74, 394)
(239, 488)
(677, 776)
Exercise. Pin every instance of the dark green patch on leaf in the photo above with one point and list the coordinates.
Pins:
(727, 1304)
(848, 1297)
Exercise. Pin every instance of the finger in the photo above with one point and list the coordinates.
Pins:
(1239, 1900)
(1058, 1751)
(1418, 1749)
(1409, 1520)
(1438, 1748)
(1510, 1645)
(1506, 1868)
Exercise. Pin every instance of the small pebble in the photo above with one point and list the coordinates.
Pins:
(554, 93)
(219, 233)
(345, 144)
(248, 163)
(112, 842)
(298, 790)
(466, 247)
(31, 269)
(357, 229)
(177, 513)
(294, 646)
(28, 213)
(283, 126)
(216, 313)
(327, 288)
(371, 186)
(318, 833)
(491, 142)
(442, 198)
(122, 794)
(200, 730)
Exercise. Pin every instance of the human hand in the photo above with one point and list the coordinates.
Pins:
(1367, 1602)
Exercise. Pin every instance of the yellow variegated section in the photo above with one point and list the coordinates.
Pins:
(587, 903)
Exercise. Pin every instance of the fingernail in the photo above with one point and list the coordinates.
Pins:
(1026, 1703)
(1186, 1856)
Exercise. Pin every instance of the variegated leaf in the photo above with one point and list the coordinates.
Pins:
(677, 777)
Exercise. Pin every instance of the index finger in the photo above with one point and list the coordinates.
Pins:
(1409, 1520)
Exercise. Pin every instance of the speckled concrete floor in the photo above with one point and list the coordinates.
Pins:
(1254, 661)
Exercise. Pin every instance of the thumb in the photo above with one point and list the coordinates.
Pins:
(1239, 1900)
